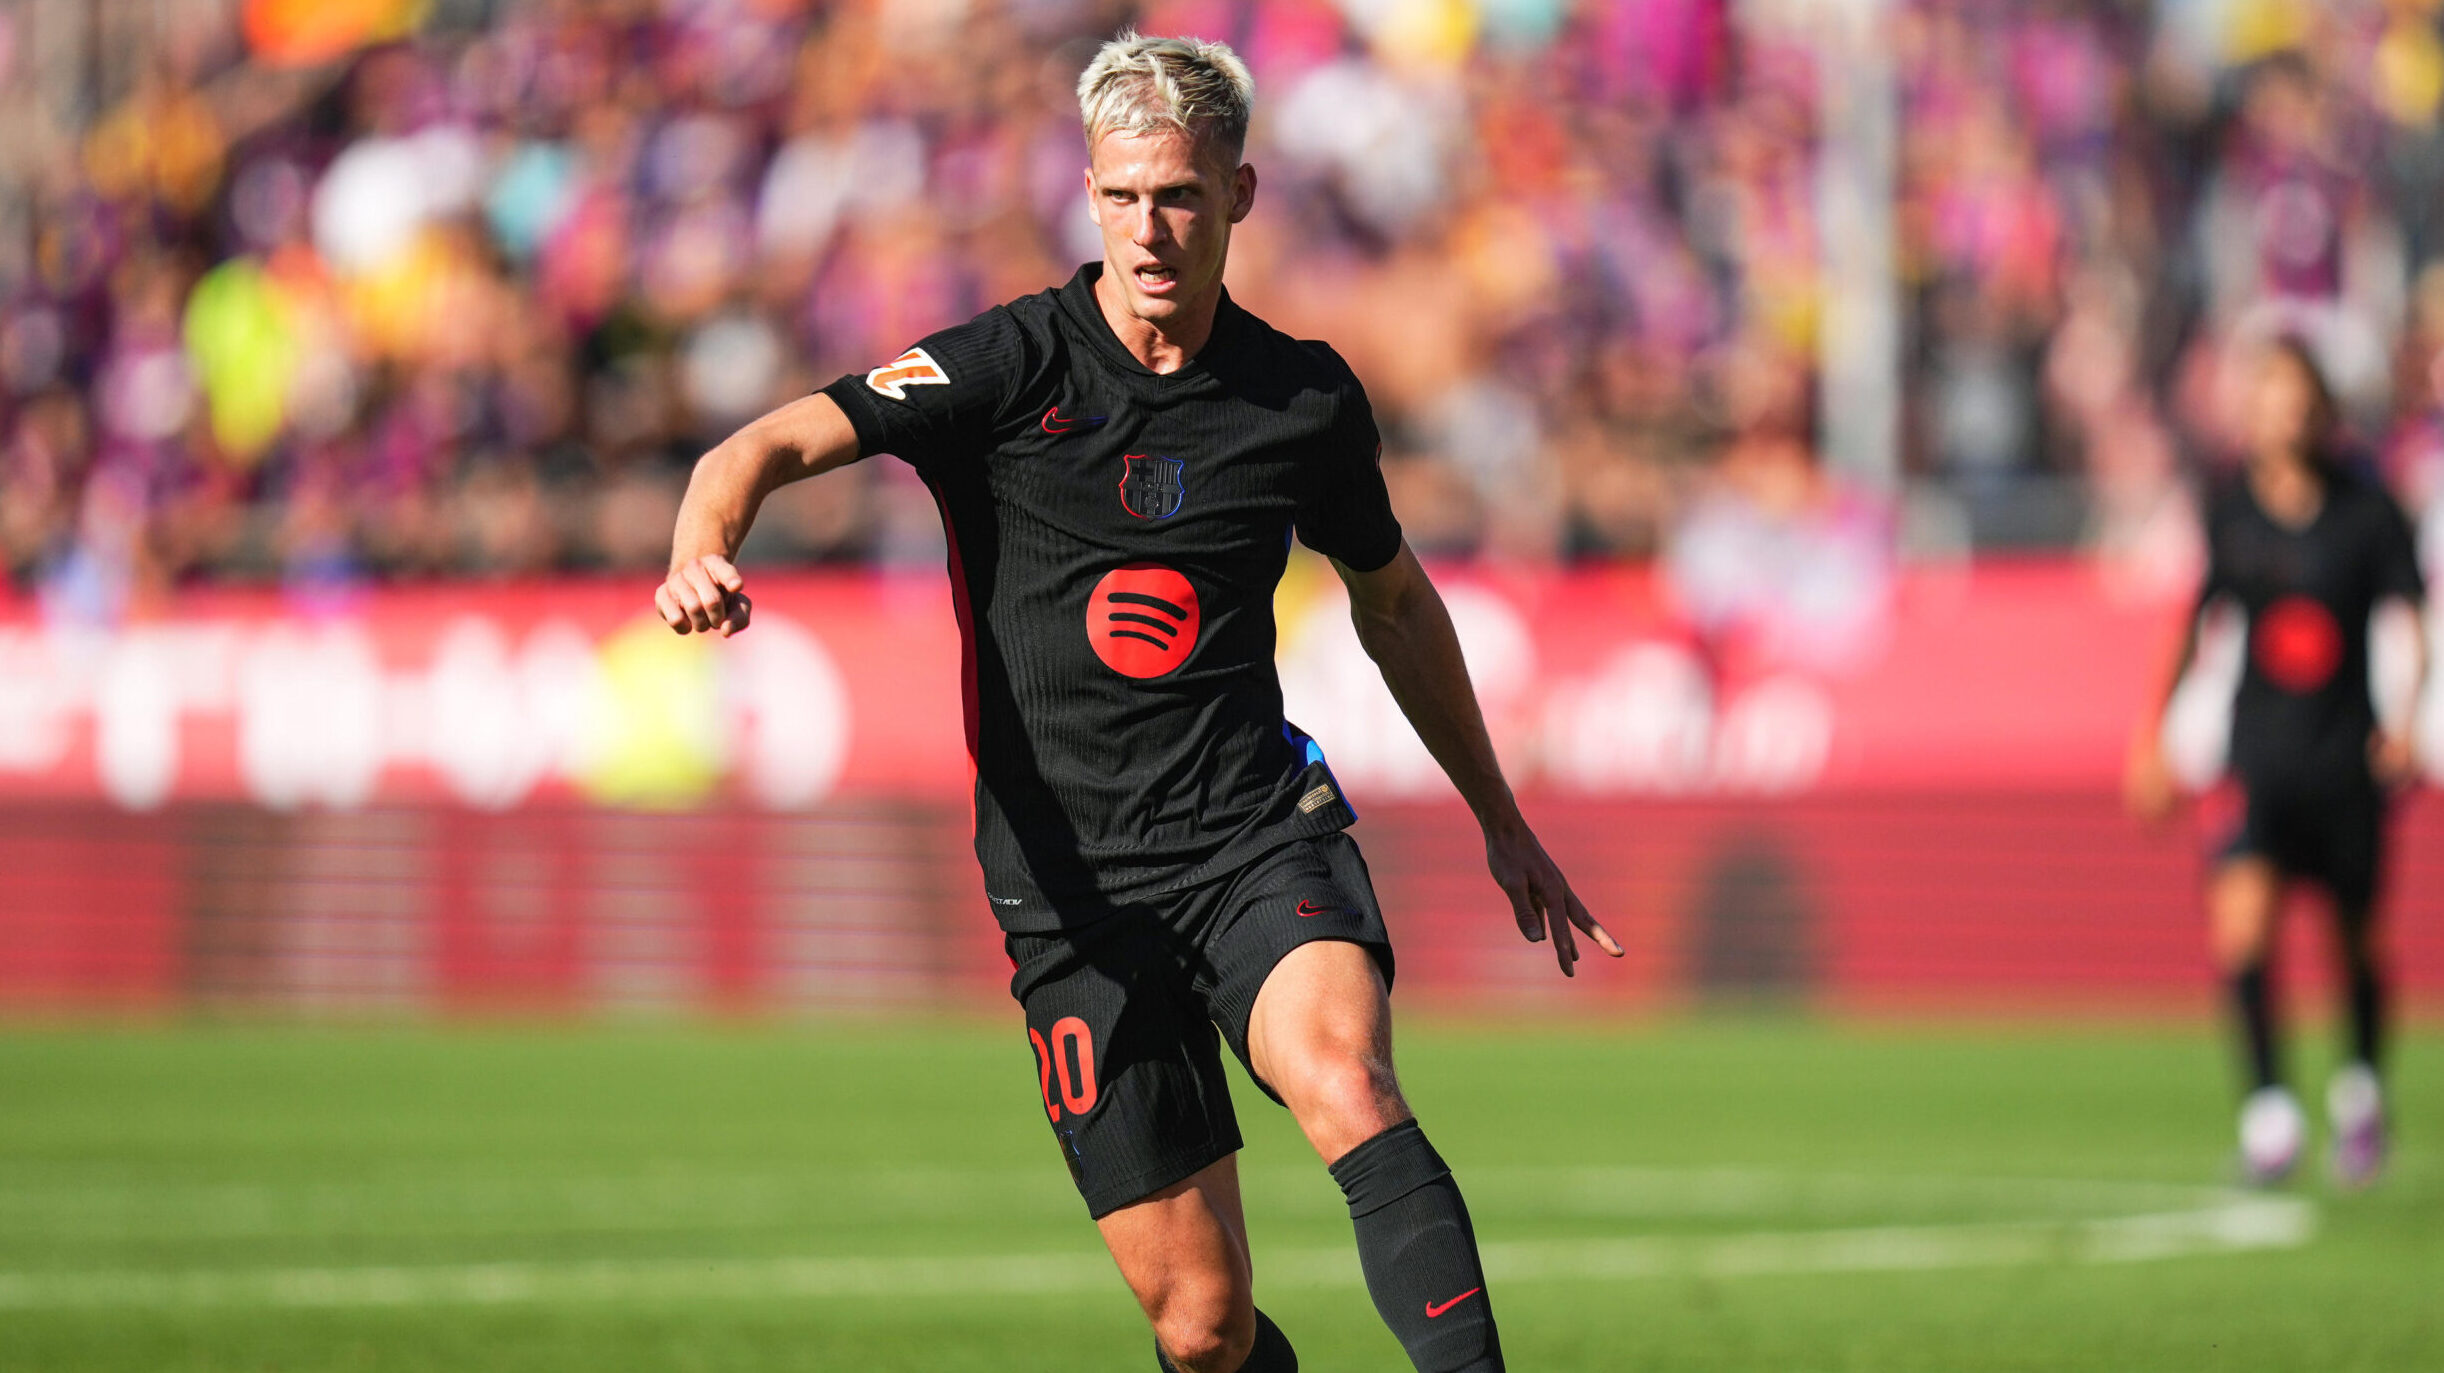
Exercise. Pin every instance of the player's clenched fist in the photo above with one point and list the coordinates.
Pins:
(702, 595)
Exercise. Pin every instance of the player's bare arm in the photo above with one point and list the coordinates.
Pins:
(1405, 628)
(704, 593)
(2393, 754)
(2147, 780)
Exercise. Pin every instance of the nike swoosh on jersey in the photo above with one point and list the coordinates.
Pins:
(1433, 1310)
(1054, 424)
(1310, 908)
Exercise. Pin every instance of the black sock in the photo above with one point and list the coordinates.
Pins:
(2364, 987)
(1272, 1352)
(1420, 1252)
(2253, 1009)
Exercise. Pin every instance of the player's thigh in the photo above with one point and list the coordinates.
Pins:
(1308, 892)
(1322, 1036)
(1302, 969)
(1128, 1070)
(2244, 893)
(1324, 1001)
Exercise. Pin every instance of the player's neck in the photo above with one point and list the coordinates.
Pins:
(1165, 347)
(2287, 488)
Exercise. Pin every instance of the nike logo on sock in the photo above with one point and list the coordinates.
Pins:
(1433, 1310)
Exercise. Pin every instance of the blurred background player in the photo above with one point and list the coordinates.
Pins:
(2309, 551)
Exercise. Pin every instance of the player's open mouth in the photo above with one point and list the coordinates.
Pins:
(1156, 277)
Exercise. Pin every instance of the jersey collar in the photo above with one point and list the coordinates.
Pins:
(1078, 301)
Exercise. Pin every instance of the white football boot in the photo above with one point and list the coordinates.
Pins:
(2355, 1103)
(2273, 1130)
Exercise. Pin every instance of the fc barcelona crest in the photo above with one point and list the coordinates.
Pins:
(1152, 488)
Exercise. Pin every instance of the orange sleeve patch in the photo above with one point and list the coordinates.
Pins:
(915, 367)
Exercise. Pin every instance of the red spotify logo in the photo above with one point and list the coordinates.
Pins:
(2298, 644)
(1142, 620)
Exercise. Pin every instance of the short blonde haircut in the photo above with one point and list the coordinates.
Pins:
(1140, 85)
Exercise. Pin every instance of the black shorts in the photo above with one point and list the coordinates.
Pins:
(1126, 1015)
(2332, 836)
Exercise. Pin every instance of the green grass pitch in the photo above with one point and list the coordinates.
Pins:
(1773, 1195)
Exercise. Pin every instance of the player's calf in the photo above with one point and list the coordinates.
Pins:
(1419, 1252)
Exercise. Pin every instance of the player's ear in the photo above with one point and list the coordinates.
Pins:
(1094, 203)
(1242, 191)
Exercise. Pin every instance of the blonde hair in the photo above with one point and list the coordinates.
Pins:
(1140, 85)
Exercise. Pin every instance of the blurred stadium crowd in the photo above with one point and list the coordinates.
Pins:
(338, 293)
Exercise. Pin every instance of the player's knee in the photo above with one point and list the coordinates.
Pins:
(1343, 1100)
(1208, 1330)
(2242, 923)
(2240, 942)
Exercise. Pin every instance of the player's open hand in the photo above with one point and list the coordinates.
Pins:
(703, 595)
(1540, 896)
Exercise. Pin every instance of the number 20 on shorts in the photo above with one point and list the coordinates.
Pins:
(1054, 1067)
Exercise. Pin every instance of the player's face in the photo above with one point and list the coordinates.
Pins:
(1165, 212)
(2282, 408)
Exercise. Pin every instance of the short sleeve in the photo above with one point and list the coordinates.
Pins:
(1346, 513)
(937, 402)
(2397, 555)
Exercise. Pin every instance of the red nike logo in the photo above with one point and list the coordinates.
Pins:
(1054, 424)
(1433, 1310)
(1310, 908)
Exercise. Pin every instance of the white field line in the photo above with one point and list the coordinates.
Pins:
(2215, 1222)
(2240, 1223)
(494, 1205)
(699, 1202)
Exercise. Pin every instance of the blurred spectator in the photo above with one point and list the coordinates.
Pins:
(392, 290)
(1777, 563)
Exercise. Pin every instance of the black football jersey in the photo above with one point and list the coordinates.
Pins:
(2303, 713)
(1115, 537)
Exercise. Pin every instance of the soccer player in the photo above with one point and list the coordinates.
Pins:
(2307, 550)
(1121, 463)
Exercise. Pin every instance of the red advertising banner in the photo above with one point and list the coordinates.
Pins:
(1990, 902)
(537, 798)
(847, 688)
